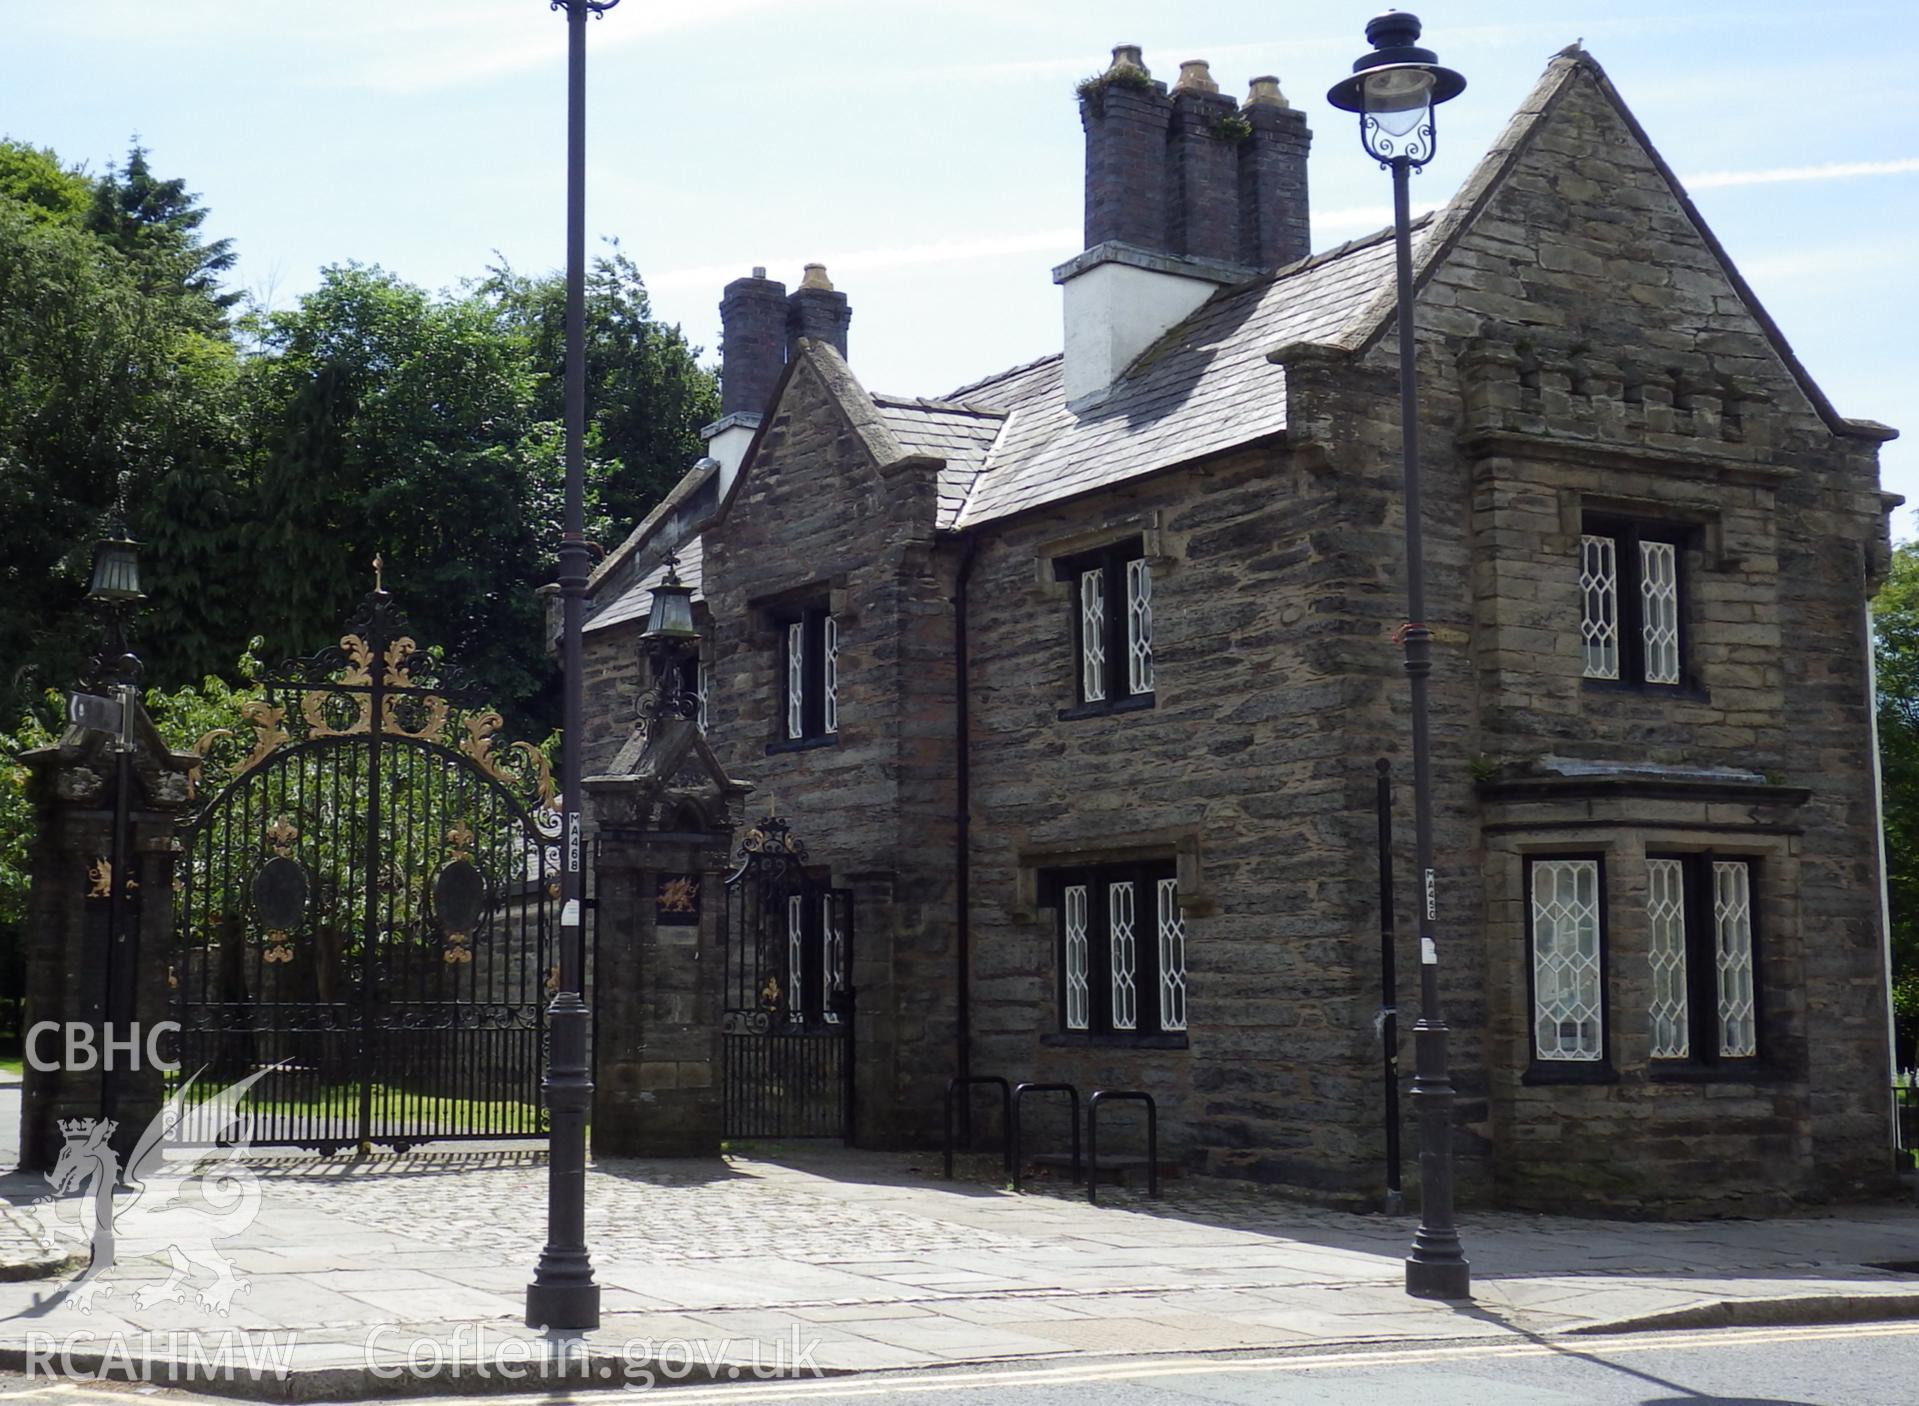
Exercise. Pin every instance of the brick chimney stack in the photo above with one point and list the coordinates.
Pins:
(816, 309)
(1275, 225)
(1205, 209)
(1126, 115)
(752, 343)
(1186, 192)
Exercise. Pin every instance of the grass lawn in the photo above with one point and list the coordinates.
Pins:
(10, 1064)
(396, 1112)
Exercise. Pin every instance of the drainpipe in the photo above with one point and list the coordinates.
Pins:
(1885, 896)
(963, 818)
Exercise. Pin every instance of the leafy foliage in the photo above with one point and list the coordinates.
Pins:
(645, 392)
(155, 226)
(1896, 654)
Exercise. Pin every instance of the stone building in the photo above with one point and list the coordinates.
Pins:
(1076, 675)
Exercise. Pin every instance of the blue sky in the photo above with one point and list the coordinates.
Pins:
(929, 152)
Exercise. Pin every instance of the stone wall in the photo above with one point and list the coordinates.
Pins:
(815, 520)
(1584, 351)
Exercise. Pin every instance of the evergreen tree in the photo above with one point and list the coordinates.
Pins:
(156, 225)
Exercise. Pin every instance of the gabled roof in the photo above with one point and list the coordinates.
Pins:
(1451, 221)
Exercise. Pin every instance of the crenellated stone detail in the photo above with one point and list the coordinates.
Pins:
(1559, 387)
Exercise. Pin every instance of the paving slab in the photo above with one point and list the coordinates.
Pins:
(863, 1261)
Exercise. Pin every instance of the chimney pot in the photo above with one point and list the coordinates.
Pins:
(1265, 93)
(815, 309)
(1195, 76)
(1129, 56)
(759, 270)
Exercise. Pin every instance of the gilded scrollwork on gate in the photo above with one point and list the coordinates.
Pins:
(377, 682)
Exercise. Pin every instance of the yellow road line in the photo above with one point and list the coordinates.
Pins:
(847, 1388)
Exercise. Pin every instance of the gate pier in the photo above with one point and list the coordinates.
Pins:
(666, 817)
(80, 971)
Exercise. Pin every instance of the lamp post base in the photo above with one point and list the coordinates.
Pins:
(1438, 1278)
(571, 1308)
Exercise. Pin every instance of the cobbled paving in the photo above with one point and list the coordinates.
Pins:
(675, 1215)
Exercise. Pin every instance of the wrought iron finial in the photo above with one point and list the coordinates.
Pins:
(379, 567)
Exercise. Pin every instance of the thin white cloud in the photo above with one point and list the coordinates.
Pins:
(1058, 243)
(1826, 171)
(1346, 222)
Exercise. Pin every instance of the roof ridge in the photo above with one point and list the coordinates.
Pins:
(1007, 374)
(954, 407)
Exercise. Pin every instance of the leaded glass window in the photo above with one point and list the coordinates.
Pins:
(1732, 930)
(1092, 635)
(1659, 610)
(796, 954)
(830, 678)
(1139, 626)
(1568, 982)
(1666, 952)
(1078, 1005)
(810, 696)
(1112, 628)
(832, 958)
(1172, 958)
(1122, 951)
(1125, 956)
(796, 679)
(1632, 602)
(1599, 605)
(1705, 997)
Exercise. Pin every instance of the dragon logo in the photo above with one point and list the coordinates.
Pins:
(180, 1207)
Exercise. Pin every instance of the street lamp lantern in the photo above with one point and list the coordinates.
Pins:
(116, 570)
(669, 619)
(1394, 90)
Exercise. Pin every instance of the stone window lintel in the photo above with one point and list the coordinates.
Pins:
(1195, 896)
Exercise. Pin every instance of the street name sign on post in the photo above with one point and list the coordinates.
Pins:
(93, 712)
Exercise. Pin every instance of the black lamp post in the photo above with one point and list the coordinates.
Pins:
(563, 1295)
(1394, 89)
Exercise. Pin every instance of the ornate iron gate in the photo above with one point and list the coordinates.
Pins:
(367, 903)
(787, 1030)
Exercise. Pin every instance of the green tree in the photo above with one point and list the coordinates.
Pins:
(1896, 656)
(396, 424)
(647, 395)
(156, 226)
(98, 380)
(45, 190)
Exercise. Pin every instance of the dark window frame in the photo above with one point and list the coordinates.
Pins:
(1702, 968)
(1112, 560)
(812, 617)
(1540, 1070)
(1145, 876)
(1627, 533)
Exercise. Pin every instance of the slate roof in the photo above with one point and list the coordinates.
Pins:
(960, 432)
(632, 603)
(1205, 387)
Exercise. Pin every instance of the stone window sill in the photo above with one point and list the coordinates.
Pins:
(1570, 1072)
(802, 744)
(1132, 703)
(1741, 1071)
(1116, 1041)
